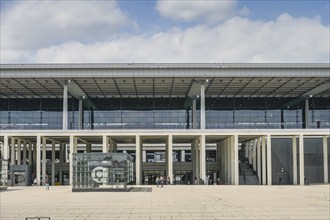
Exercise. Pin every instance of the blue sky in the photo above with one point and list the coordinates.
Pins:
(38, 31)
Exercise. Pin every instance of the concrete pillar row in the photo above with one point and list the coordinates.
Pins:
(325, 159)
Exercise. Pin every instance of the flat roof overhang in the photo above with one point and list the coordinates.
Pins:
(164, 80)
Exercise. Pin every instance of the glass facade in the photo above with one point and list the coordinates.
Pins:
(102, 170)
(165, 113)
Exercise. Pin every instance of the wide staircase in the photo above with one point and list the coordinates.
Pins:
(247, 177)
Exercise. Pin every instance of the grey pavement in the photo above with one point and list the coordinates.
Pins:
(170, 202)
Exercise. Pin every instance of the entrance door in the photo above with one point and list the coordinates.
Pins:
(20, 179)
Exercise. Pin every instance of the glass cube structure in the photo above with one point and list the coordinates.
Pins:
(3, 174)
(102, 170)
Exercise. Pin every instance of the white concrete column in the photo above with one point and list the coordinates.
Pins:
(19, 151)
(236, 169)
(259, 159)
(194, 114)
(183, 155)
(294, 160)
(202, 157)
(138, 164)
(62, 160)
(254, 155)
(202, 110)
(170, 158)
(80, 122)
(35, 155)
(224, 163)
(263, 147)
(73, 149)
(250, 152)
(144, 156)
(44, 142)
(269, 160)
(53, 163)
(30, 153)
(301, 160)
(12, 157)
(38, 159)
(65, 107)
(232, 160)
(325, 159)
(5, 150)
(228, 162)
(105, 144)
(194, 162)
(24, 152)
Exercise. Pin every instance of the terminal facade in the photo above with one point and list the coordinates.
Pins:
(228, 124)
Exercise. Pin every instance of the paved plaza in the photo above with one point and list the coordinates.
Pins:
(170, 202)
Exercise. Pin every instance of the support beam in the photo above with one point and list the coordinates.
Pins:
(263, 147)
(53, 163)
(19, 151)
(30, 153)
(236, 170)
(259, 159)
(194, 114)
(202, 110)
(24, 153)
(269, 160)
(65, 107)
(325, 159)
(202, 157)
(183, 156)
(294, 160)
(138, 163)
(105, 144)
(44, 142)
(13, 154)
(170, 158)
(81, 115)
(73, 149)
(38, 159)
(5, 150)
(301, 160)
(254, 155)
(306, 114)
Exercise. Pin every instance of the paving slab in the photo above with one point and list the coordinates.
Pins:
(170, 202)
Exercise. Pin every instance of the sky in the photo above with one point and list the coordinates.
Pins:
(165, 31)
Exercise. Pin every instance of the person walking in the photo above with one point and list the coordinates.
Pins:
(157, 181)
(161, 182)
(47, 182)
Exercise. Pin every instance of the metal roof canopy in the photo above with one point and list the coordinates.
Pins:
(164, 80)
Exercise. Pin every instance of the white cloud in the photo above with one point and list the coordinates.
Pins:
(209, 11)
(35, 24)
(286, 39)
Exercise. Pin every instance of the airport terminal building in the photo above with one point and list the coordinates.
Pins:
(192, 123)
